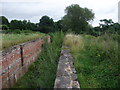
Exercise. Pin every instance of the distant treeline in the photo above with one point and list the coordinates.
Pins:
(76, 20)
(45, 25)
(105, 26)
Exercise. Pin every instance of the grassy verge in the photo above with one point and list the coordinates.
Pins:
(96, 60)
(42, 73)
(9, 40)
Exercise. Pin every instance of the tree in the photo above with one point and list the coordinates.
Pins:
(31, 26)
(15, 24)
(4, 20)
(24, 24)
(4, 23)
(4, 27)
(107, 26)
(77, 18)
(58, 25)
(46, 24)
(107, 22)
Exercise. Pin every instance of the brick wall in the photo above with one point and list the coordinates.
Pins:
(16, 60)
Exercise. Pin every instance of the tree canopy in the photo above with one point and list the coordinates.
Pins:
(4, 20)
(77, 18)
(106, 26)
(15, 24)
(4, 23)
(22, 25)
(46, 24)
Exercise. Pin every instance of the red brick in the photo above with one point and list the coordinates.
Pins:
(31, 50)
(5, 76)
(5, 84)
(0, 82)
(12, 80)
(14, 68)
(4, 62)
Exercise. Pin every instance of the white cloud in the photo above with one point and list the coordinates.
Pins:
(35, 9)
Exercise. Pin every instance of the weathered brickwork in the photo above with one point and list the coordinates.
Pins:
(16, 60)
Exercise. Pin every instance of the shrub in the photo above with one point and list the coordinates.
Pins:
(4, 27)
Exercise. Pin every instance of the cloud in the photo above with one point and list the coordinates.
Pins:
(35, 9)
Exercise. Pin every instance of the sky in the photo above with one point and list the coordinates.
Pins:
(33, 10)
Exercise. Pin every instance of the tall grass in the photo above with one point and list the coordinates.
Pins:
(75, 42)
(9, 40)
(42, 73)
(97, 63)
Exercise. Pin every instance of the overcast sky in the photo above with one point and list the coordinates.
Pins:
(33, 10)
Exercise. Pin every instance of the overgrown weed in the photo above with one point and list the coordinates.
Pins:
(42, 73)
(97, 63)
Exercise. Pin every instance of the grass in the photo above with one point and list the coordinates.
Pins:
(97, 62)
(9, 40)
(73, 41)
(42, 73)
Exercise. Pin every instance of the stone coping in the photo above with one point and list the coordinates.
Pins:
(66, 76)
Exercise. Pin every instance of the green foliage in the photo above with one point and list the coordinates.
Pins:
(97, 64)
(4, 20)
(22, 25)
(59, 25)
(42, 73)
(106, 26)
(15, 24)
(101, 59)
(107, 22)
(30, 26)
(4, 27)
(46, 24)
(77, 18)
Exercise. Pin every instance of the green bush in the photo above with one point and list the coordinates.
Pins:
(4, 27)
